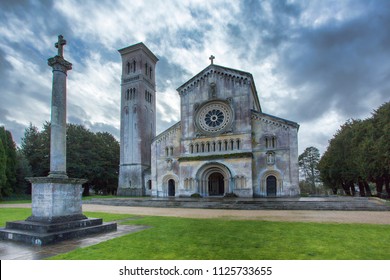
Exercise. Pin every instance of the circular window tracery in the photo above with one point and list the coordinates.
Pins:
(214, 117)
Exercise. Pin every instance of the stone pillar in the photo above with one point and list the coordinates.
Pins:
(56, 199)
(58, 113)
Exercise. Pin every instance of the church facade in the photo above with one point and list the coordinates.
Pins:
(224, 144)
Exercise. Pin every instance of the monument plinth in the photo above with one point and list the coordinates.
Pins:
(56, 199)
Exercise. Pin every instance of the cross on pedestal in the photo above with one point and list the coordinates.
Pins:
(212, 59)
(59, 45)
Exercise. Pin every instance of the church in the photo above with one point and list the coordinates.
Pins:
(223, 145)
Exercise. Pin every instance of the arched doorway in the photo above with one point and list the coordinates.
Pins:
(171, 187)
(216, 184)
(271, 186)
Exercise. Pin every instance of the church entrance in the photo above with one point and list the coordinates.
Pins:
(216, 184)
(171, 187)
(271, 186)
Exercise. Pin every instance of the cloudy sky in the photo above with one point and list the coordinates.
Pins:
(317, 63)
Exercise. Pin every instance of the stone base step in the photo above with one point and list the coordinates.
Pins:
(44, 234)
(331, 203)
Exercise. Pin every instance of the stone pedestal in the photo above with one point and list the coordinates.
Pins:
(56, 199)
(56, 214)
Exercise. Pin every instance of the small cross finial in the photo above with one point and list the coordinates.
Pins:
(59, 45)
(212, 59)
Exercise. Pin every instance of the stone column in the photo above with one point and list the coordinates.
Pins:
(58, 112)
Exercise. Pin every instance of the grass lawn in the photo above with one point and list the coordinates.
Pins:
(209, 239)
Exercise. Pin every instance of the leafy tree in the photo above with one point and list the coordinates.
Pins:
(308, 165)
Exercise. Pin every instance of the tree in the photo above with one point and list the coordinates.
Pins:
(35, 147)
(93, 156)
(359, 153)
(308, 165)
(23, 170)
(7, 163)
(3, 161)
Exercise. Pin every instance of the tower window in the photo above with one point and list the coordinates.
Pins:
(134, 66)
(128, 67)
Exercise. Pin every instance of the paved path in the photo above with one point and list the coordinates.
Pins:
(365, 217)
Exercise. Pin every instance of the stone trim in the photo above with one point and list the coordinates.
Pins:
(218, 72)
(219, 156)
(167, 133)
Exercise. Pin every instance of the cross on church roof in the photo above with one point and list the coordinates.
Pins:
(59, 45)
(212, 59)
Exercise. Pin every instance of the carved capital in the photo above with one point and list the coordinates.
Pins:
(59, 64)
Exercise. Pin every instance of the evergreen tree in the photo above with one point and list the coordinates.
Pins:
(92, 156)
(3, 166)
(7, 162)
(359, 153)
(308, 165)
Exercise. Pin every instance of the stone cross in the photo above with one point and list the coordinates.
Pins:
(59, 45)
(212, 59)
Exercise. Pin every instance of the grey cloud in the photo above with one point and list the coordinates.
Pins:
(166, 70)
(271, 30)
(338, 66)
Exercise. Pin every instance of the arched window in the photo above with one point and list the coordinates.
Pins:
(238, 144)
(197, 147)
(128, 67)
(202, 146)
(149, 184)
(166, 151)
(134, 65)
(270, 142)
(231, 144)
(191, 148)
(146, 69)
(127, 94)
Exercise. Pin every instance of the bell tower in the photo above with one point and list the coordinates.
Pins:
(138, 118)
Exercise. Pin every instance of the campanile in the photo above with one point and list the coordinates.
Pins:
(138, 118)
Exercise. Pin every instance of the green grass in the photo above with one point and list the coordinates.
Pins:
(209, 239)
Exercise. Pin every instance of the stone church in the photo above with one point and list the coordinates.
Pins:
(224, 143)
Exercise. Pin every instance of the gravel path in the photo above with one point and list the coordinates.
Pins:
(363, 217)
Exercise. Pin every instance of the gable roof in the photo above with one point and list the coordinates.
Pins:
(276, 120)
(229, 73)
